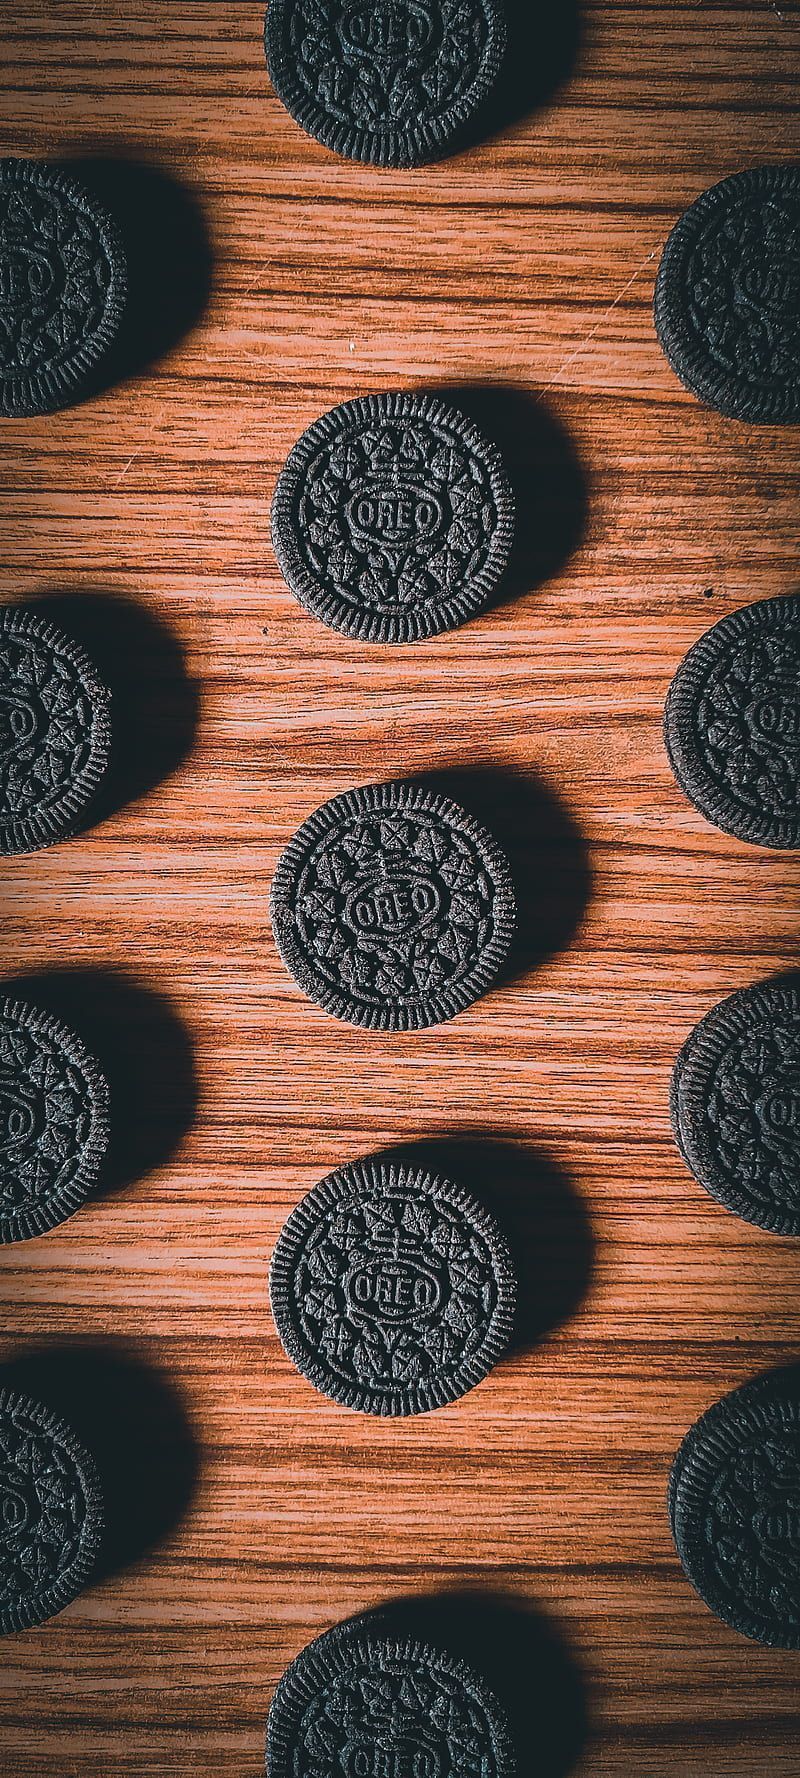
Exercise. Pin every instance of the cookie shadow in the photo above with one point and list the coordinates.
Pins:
(550, 483)
(134, 1424)
(146, 1055)
(544, 1220)
(545, 849)
(155, 706)
(170, 263)
(522, 1658)
(544, 45)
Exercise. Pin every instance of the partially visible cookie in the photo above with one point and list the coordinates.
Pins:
(51, 1513)
(393, 1291)
(360, 1702)
(735, 1104)
(734, 1505)
(54, 1125)
(732, 723)
(393, 518)
(63, 287)
(55, 732)
(392, 907)
(727, 300)
(395, 82)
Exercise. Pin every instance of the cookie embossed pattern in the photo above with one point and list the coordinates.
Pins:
(55, 732)
(63, 287)
(54, 1124)
(727, 299)
(394, 82)
(367, 1704)
(393, 518)
(735, 1104)
(392, 907)
(393, 1291)
(732, 723)
(51, 1513)
(734, 1503)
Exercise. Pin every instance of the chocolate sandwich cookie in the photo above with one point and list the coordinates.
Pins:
(735, 1104)
(63, 285)
(732, 724)
(360, 1702)
(393, 1291)
(392, 908)
(51, 1513)
(55, 732)
(395, 82)
(393, 518)
(734, 1504)
(54, 1125)
(727, 299)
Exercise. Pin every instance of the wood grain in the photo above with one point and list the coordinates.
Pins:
(252, 1514)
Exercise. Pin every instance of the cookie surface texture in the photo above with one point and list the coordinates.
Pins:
(55, 732)
(393, 518)
(392, 907)
(361, 1702)
(51, 1515)
(732, 724)
(54, 1125)
(735, 1104)
(734, 1502)
(727, 300)
(63, 287)
(393, 1291)
(395, 82)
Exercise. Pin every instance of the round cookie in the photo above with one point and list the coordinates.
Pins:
(392, 907)
(359, 1700)
(51, 1513)
(732, 724)
(62, 290)
(727, 297)
(735, 1104)
(54, 1126)
(393, 518)
(393, 1291)
(734, 1505)
(55, 732)
(394, 82)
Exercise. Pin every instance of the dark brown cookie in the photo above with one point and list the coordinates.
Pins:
(392, 907)
(55, 732)
(51, 1513)
(54, 1126)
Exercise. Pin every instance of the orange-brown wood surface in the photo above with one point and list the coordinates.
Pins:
(272, 280)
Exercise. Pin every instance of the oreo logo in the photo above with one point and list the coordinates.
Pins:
(778, 1111)
(404, 1759)
(393, 1290)
(19, 724)
(14, 1510)
(776, 718)
(18, 1114)
(388, 30)
(27, 277)
(394, 906)
(394, 513)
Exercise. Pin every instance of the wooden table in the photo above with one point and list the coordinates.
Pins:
(273, 280)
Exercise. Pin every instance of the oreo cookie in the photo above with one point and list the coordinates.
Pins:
(392, 907)
(62, 290)
(55, 732)
(727, 298)
(54, 1124)
(732, 724)
(393, 518)
(363, 1702)
(735, 1104)
(394, 82)
(734, 1505)
(51, 1513)
(393, 1291)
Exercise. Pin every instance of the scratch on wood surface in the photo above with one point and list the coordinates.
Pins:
(590, 334)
